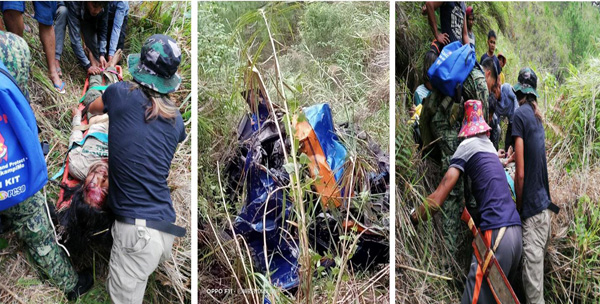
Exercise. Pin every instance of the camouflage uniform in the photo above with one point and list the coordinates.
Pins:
(31, 224)
(160, 54)
(29, 219)
(445, 124)
(14, 53)
(476, 88)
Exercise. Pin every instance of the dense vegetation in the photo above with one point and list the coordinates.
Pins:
(19, 281)
(326, 52)
(559, 41)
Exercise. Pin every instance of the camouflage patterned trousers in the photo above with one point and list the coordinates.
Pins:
(32, 226)
(452, 207)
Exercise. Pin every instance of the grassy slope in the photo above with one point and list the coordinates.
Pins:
(552, 45)
(334, 53)
(19, 280)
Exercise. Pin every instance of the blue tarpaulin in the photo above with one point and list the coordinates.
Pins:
(265, 212)
(319, 117)
(263, 216)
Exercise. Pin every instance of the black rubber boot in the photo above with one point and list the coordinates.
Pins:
(84, 283)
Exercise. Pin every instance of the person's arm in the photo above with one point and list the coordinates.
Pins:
(434, 201)
(520, 170)
(120, 13)
(74, 29)
(76, 134)
(97, 106)
(430, 8)
(102, 36)
(465, 32)
(416, 99)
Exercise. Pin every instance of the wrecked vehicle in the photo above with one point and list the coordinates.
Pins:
(348, 194)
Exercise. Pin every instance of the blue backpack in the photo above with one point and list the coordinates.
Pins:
(23, 169)
(452, 67)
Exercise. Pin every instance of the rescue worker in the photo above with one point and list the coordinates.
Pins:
(531, 184)
(145, 128)
(477, 158)
(88, 23)
(29, 219)
(445, 124)
(45, 12)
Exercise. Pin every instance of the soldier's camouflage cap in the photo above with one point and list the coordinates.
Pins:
(155, 67)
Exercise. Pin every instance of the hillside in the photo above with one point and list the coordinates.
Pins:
(560, 42)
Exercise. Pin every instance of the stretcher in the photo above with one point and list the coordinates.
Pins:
(488, 267)
(66, 180)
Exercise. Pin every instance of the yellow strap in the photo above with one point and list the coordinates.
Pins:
(486, 263)
(490, 253)
(499, 238)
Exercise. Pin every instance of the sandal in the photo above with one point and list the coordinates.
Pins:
(60, 89)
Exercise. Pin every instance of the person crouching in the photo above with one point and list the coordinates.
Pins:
(477, 158)
(145, 129)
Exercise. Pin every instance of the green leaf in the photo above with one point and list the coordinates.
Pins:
(289, 168)
(304, 159)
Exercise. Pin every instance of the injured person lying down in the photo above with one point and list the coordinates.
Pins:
(82, 215)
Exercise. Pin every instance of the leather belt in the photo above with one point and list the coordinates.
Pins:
(158, 225)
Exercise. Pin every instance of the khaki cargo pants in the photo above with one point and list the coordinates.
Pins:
(135, 254)
(536, 233)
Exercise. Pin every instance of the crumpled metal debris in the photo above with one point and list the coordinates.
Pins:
(257, 174)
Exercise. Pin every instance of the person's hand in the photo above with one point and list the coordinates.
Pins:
(103, 63)
(412, 111)
(94, 70)
(510, 152)
(75, 111)
(442, 38)
(510, 158)
(501, 153)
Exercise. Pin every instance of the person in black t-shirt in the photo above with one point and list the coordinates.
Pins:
(500, 223)
(531, 184)
(453, 21)
(491, 49)
(144, 131)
